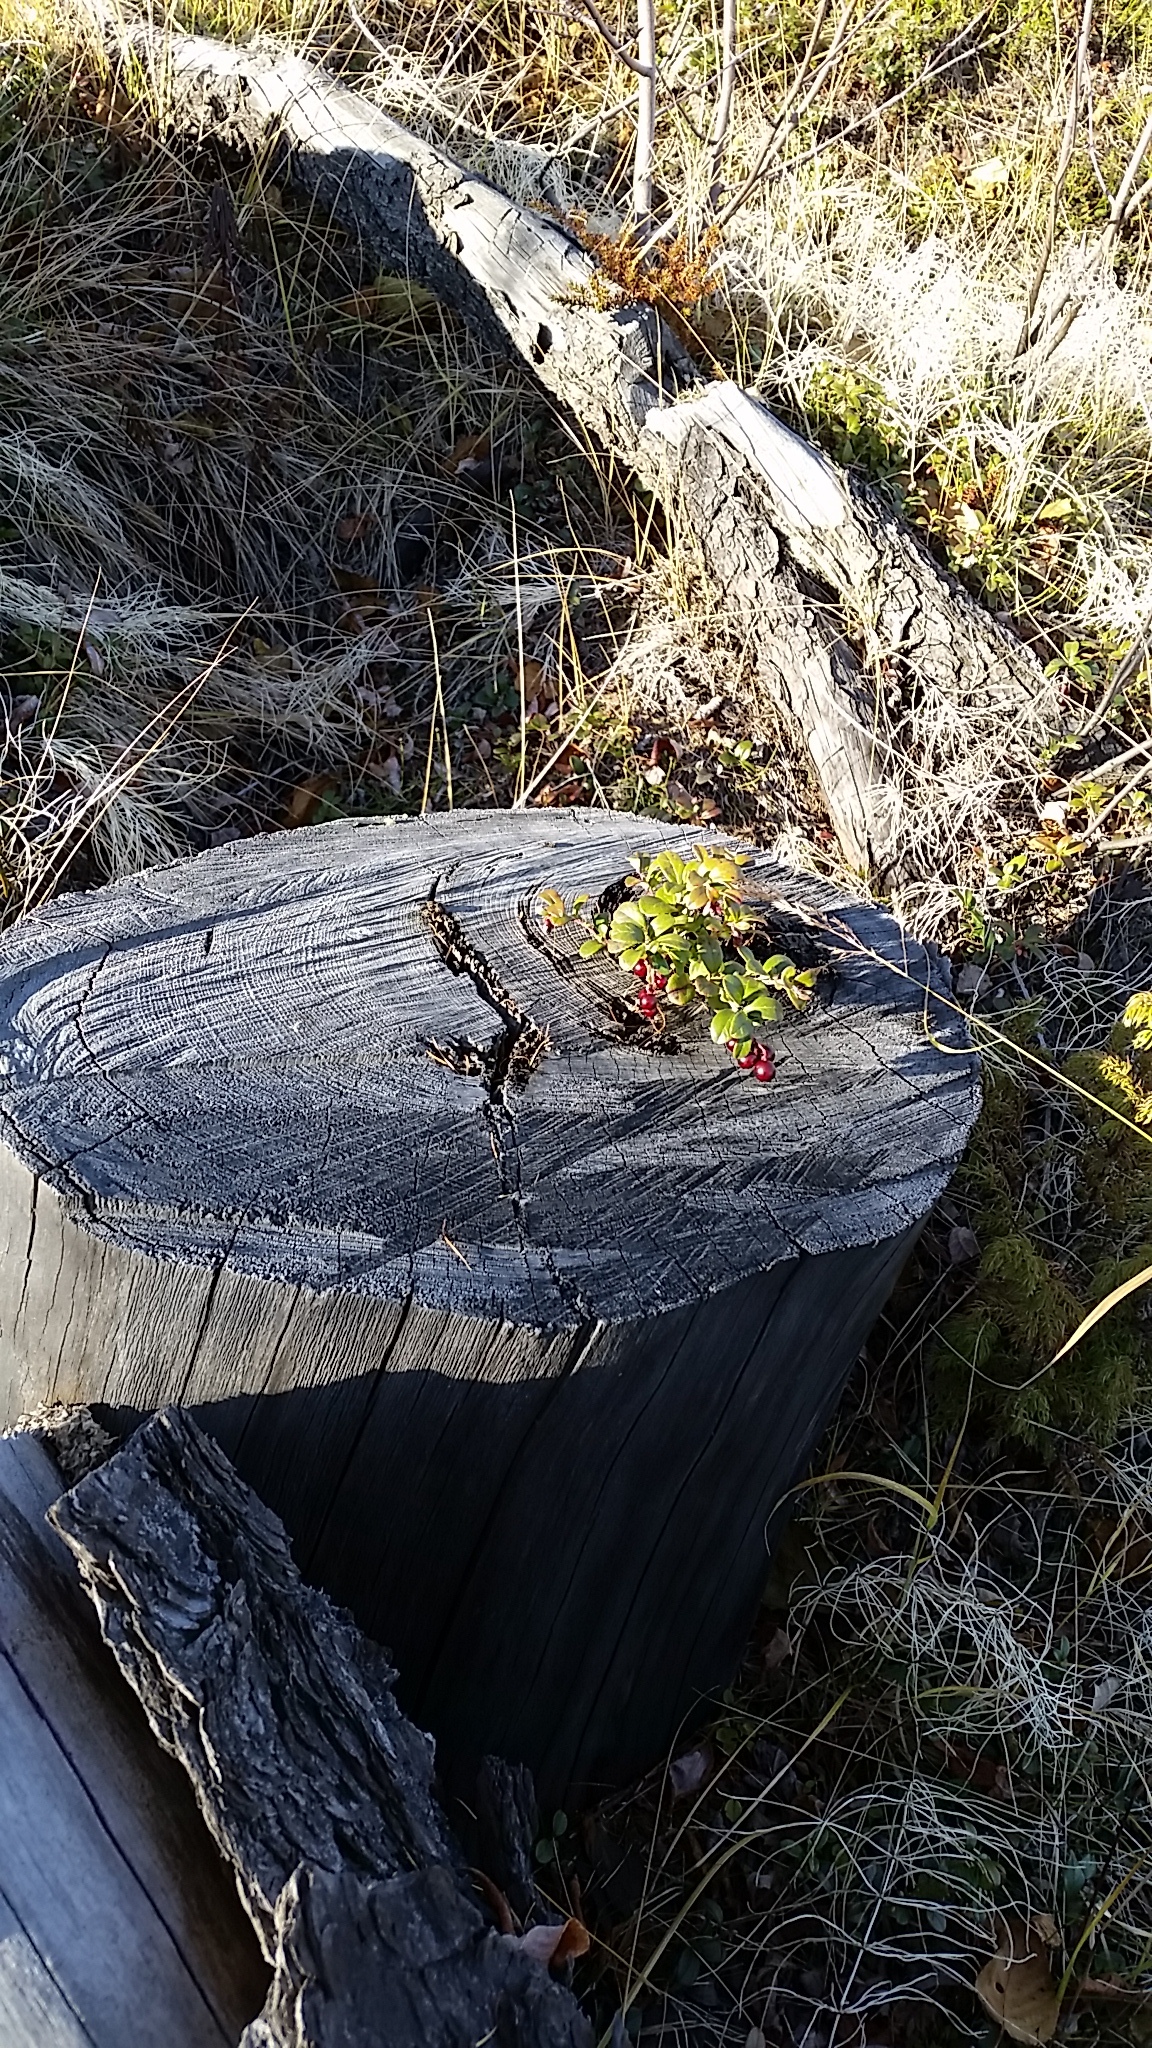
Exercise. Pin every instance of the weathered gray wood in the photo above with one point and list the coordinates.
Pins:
(119, 1924)
(405, 1964)
(760, 501)
(312, 1782)
(522, 1319)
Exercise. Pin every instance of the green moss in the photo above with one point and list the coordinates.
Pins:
(1059, 1194)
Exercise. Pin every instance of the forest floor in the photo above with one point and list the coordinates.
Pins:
(280, 543)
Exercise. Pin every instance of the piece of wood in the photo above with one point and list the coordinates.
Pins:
(849, 614)
(316, 1788)
(405, 1964)
(522, 1316)
(119, 1923)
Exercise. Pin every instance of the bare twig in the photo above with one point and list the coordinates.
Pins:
(1130, 668)
(767, 165)
(1129, 198)
(645, 71)
(645, 115)
(717, 141)
(780, 124)
(1029, 336)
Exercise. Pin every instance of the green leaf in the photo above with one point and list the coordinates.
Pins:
(631, 955)
(591, 947)
(723, 1026)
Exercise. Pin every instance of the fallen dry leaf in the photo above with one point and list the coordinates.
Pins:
(529, 675)
(687, 1773)
(306, 799)
(987, 177)
(1016, 1988)
(470, 452)
(355, 526)
(777, 1649)
(963, 1244)
(555, 1946)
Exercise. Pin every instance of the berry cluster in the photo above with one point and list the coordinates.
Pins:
(692, 937)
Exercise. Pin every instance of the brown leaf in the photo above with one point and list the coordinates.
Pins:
(987, 1773)
(1016, 1989)
(1123, 1547)
(306, 800)
(360, 306)
(555, 1946)
(355, 525)
(1109, 1987)
(471, 451)
(356, 583)
(529, 675)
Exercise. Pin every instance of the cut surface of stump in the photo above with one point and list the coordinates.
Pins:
(521, 1314)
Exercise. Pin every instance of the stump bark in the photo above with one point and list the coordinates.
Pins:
(119, 1922)
(523, 1316)
(310, 1780)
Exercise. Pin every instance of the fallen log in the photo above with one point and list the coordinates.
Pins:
(522, 1314)
(119, 1922)
(891, 671)
(315, 1787)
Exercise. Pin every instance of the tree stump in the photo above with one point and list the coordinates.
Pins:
(523, 1316)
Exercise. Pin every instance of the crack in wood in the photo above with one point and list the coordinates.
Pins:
(513, 1055)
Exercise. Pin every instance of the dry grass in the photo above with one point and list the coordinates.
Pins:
(939, 1730)
(278, 542)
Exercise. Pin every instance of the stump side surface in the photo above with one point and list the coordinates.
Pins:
(234, 1061)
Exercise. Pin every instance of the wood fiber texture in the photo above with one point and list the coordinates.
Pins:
(119, 1923)
(311, 1781)
(232, 1059)
(522, 1317)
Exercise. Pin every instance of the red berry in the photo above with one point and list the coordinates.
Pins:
(764, 1070)
(660, 981)
(547, 924)
(749, 1060)
(641, 970)
(730, 1045)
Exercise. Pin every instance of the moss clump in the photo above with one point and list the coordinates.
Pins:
(1058, 1187)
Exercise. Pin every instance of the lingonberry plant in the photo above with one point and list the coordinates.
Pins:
(688, 936)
